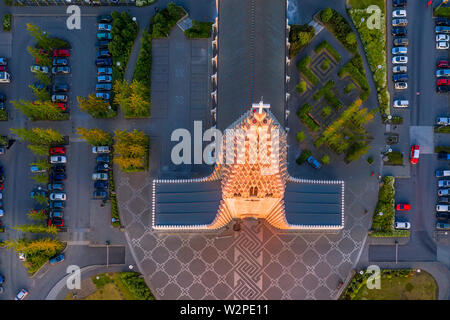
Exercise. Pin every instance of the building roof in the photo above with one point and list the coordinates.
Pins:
(186, 203)
(251, 59)
(314, 204)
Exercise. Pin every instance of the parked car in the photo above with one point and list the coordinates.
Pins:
(3, 62)
(401, 104)
(443, 183)
(59, 258)
(400, 77)
(101, 184)
(442, 208)
(58, 159)
(58, 176)
(403, 207)
(38, 68)
(443, 192)
(104, 36)
(57, 222)
(104, 78)
(57, 150)
(39, 85)
(399, 69)
(60, 62)
(60, 87)
(100, 194)
(103, 87)
(443, 64)
(103, 95)
(21, 295)
(399, 31)
(399, 3)
(441, 21)
(442, 89)
(443, 82)
(106, 18)
(101, 167)
(443, 215)
(402, 225)
(441, 45)
(102, 43)
(101, 149)
(2, 279)
(56, 213)
(58, 196)
(400, 50)
(99, 176)
(442, 37)
(4, 68)
(104, 70)
(56, 205)
(62, 106)
(399, 13)
(442, 29)
(442, 121)
(59, 98)
(104, 27)
(401, 85)
(442, 225)
(37, 193)
(102, 158)
(442, 173)
(443, 156)
(61, 70)
(55, 186)
(103, 53)
(415, 153)
(399, 22)
(36, 169)
(59, 168)
(61, 53)
(400, 60)
(103, 62)
(444, 199)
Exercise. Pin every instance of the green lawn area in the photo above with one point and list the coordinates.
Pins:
(363, 4)
(417, 286)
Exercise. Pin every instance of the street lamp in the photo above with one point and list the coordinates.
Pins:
(107, 252)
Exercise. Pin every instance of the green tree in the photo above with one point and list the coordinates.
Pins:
(301, 136)
(95, 137)
(36, 228)
(40, 94)
(40, 36)
(41, 150)
(42, 164)
(41, 178)
(37, 215)
(43, 77)
(43, 59)
(39, 110)
(326, 14)
(325, 159)
(122, 93)
(96, 107)
(301, 87)
(131, 150)
(351, 38)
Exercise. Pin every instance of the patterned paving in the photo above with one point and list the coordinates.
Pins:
(257, 262)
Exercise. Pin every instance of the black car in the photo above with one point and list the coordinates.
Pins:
(102, 158)
(400, 77)
(2, 97)
(103, 53)
(441, 21)
(442, 89)
(103, 62)
(59, 168)
(399, 31)
(106, 18)
(101, 184)
(60, 87)
(99, 194)
(443, 215)
(103, 87)
(56, 204)
(102, 43)
(444, 199)
(55, 186)
(102, 167)
(58, 176)
(399, 3)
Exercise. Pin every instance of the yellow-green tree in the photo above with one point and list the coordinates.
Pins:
(37, 215)
(96, 107)
(95, 137)
(131, 150)
(38, 136)
(41, 58)
(36, 228)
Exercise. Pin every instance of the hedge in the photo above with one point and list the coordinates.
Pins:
(136, 286)
(7, 22)
(302, 67)
(442, 12)
(395, 158)
(445, 129)
(199, 29)
(327, 46)
(302, 158)
(303, 114)
(386, 203)
(438, 149)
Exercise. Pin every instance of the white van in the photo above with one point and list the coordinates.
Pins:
(5, 77)
(401, 103)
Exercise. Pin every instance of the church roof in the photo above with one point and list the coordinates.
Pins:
(251, 59)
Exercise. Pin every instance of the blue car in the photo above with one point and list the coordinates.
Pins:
(314, 163)
(59, 258)
(2, 279)
(58, 176)
(102, 158)
(34, 194)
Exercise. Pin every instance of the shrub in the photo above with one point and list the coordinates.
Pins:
(7, 22)
(303, 114)
(325, 159)
(301, 136)
(349, 88)
(339, 27)
(386, 203)
(199, 30)
(370, 160)
(326, 111)
(327, 46)
(325, 65)
(303, 67)
(326, 15)
(299, 37)
(398, 120)
(445, 129)
(136, 286)
(162, 22)
(442, 12)
(438, 149)
(395, 158)
(351, 39)
(302, 158)
(301, 87)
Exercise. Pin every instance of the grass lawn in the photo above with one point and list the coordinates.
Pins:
(419, 286)
(363, 4)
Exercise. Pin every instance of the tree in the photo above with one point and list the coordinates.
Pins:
(42, 164)
(41, 178)
(37, 215)
(40, 93)
(40, 36)
(351, 38)
(40, 110)
(96, 107)
(301, 136)
(325, 159)
(301, 87)
(40, 150)
(29, 247)
(326, 15)
(131, 150)
(95, 137)
(43, 78)
(43, 59)
(36, 228)
(140, 99)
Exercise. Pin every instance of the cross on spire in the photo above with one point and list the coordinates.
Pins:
(260, 106)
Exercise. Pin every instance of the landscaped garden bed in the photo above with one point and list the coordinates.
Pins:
(303, 68)
(199, 29)
(442, 12)
(7, 22)
(299, 37)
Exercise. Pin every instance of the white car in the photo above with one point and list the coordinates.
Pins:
(400, 50)
(442, 37)
(58, 159)
(401, 85)
(441, 45)
(38, 68)
(401, 103)
(55, 196)
(442, 208)
(99, 176)
(399, 14)
(101, 149)
(21, 295)
(2, 213)
(400, 60)
(443, 192)
(402, 225)
(400, 69)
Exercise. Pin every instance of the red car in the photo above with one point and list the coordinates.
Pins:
(44, 52)
(58, 150)
(62, 105)
(415, 152)
(443, 64)
(3, 68)
(1, 186)
(61, 53)
(403, 207)
(443, 82)
(57, 222)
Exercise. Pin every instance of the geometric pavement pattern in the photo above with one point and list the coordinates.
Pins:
(257, 262)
